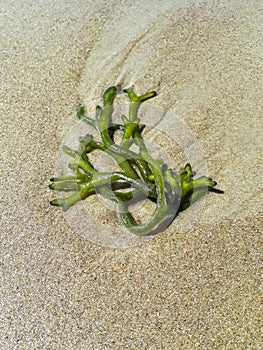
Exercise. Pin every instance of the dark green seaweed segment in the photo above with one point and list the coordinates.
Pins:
(139, 176)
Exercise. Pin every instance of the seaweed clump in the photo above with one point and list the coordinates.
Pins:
(140, 176)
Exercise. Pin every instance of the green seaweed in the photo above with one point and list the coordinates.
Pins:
(140, 174)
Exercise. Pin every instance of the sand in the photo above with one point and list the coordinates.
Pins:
(198, 284)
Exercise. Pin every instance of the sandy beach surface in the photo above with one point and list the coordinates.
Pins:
(198, 284)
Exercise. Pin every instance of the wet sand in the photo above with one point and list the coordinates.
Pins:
(193, 289)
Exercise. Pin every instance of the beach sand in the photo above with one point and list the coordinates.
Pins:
(192, 288)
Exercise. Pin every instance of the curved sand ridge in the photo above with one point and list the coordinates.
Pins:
(206, 65)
